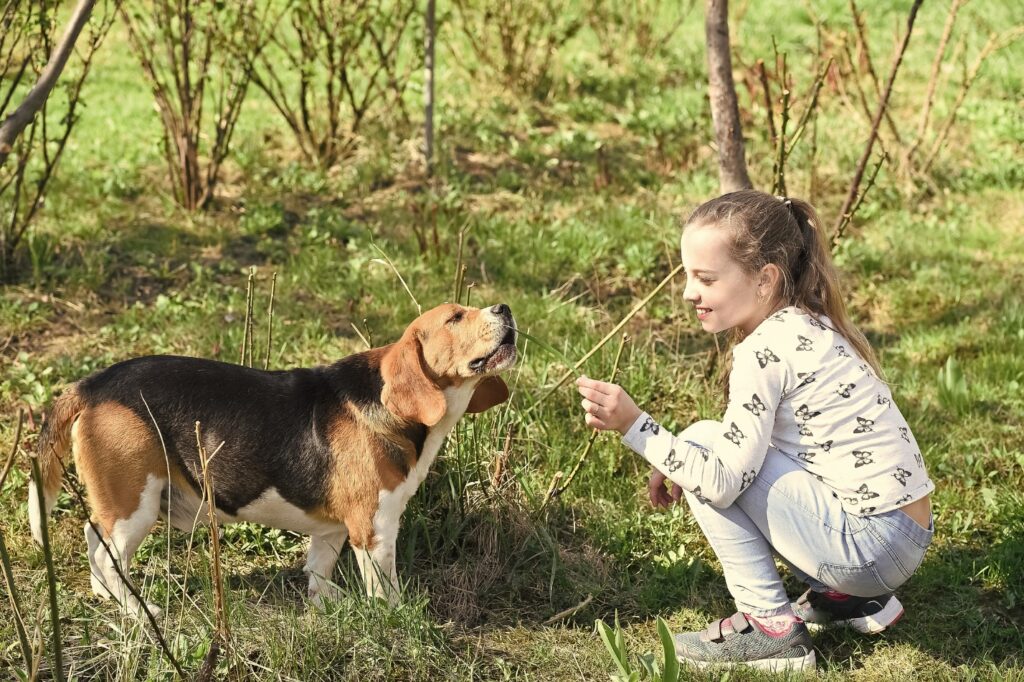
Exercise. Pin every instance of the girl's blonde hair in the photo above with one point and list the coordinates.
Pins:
(787, 233)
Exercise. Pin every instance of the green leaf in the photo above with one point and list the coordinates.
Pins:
(671, 667)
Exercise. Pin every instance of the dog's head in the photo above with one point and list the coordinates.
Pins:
(445, 356)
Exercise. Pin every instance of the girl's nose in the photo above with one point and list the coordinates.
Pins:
(689, 294)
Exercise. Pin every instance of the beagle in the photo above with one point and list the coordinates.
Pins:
(334, 452)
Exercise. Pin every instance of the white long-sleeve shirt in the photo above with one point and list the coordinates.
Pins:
(800, 387)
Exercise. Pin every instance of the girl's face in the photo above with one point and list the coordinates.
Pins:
(724, 295)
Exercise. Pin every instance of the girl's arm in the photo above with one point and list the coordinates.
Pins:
(716, 461)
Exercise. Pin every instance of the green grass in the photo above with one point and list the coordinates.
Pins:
(570, 208)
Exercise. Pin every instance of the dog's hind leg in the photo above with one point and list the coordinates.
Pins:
(120, 544)
(122, 466)
(323, 555)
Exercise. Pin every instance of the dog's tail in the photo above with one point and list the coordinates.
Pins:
(54, 445)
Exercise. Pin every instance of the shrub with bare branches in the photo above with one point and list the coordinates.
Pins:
(635, 28)
(346, 62)
(30, 63)
(516, 42)
(197, 53)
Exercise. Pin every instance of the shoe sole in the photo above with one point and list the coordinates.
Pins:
(776, 665)
(868, 625)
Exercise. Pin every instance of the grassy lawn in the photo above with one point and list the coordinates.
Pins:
(569, 210)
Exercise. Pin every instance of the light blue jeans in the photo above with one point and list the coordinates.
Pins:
(789, 512)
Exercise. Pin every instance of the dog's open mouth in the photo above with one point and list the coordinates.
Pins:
(502, 357)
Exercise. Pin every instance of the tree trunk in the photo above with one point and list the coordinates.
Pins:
(725, 112)
(26, 111)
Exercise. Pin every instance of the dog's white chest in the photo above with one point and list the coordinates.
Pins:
(271, 509)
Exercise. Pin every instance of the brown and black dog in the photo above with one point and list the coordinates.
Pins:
(334, 452)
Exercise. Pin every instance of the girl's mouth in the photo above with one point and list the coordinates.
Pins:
(702, 312)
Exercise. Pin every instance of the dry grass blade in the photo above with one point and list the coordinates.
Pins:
(5, 560)
(222, 634)
(51, 575)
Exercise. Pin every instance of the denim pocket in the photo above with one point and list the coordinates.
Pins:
(860, 580)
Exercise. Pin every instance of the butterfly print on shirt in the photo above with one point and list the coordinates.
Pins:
(902, 475)
(734, 435)
(903, 433)
(867, 510)
(778, 317)
(903, 500)
(919, 459)
(748, 478)
(805, 343)
(806, 456)
(844, 389)
(805, 415)
(826, 446)
(819, 325)
(704, 452)
(650, 425)
(671, 463)
(882, 400)
(864, 425)
(842, 351)
(863, 458)
(763, 358)
(755, 405)
(865, 493)
(805, 378)
(700, 498)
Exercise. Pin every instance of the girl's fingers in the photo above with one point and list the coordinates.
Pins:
(677, 492)
(594, 385)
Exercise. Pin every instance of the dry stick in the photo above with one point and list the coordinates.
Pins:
(933, 79)
(459, 271)
(117, 568)
(779, 183)
(5, 559)
(762, 75)
(622, 323)
(222, 633)
(811, 106)
(554, 490)
(51, 576)
(249, 312)
(248, 315)
(995, 42)
(862, 39)
(851, 196)
(860, 199)
(562, 615)
(270, 320)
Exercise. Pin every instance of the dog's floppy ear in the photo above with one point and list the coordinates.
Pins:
(408, 392)
(489, 392)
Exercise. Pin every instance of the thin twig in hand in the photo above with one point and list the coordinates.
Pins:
(555, 490)
(615, 330)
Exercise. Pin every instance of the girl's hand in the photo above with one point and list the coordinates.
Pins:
(660, 496)
(608, 407)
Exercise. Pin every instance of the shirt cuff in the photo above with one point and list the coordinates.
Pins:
(633, 439)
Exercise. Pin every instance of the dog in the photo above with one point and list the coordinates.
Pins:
(333, 452)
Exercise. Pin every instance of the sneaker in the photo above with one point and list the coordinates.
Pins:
(869, 615)
(739, 640)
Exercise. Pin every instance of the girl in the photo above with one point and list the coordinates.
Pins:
(812, 461)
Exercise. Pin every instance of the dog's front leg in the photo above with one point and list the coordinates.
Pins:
(323, 555)
(376, 559)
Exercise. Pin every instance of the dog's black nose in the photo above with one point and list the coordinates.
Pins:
(502, 309)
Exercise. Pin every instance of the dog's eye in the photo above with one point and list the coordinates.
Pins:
(457, 317)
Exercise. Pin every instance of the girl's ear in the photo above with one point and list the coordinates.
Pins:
(489, 392)
(408, 392)
(769, 280)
